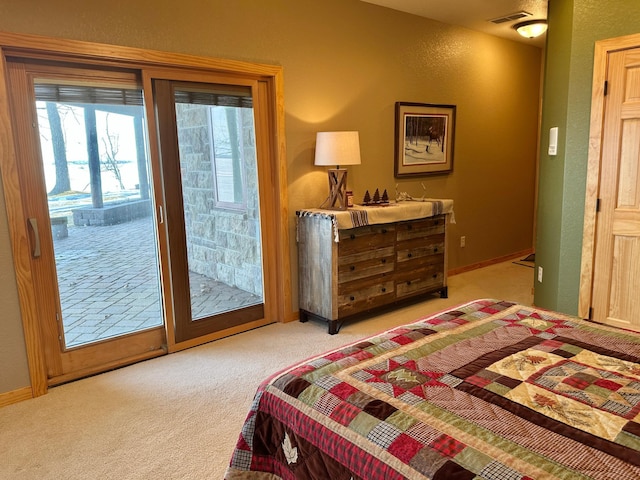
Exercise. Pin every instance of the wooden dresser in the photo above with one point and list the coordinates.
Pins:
(354, 261)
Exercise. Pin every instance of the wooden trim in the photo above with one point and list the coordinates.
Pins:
(94, 357)
(593, 179)
(602, 50)
(616, 44)
(15, 396)
(85, 372)
(276, 225)
(176, 255)
(493, 261)
(20, 241)
(268, 195)
(292, 317)
(36, 46)
(218, 335)
(284, 308)
(161, 210)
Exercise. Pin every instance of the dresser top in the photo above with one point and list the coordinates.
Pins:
(360, 215)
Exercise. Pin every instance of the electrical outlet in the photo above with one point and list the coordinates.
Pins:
(540, 274)
(463, 241)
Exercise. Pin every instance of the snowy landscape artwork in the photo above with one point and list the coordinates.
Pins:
(424, 138)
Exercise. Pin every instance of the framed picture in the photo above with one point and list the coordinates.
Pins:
(424, 139)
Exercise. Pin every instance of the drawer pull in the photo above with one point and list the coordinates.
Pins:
(384, 289)
(384, 260)
(409, 255)
(33, 223)
(435, 249)
(409, 227)
(352, 298)
(408, 282)
(352, 236)
(435, 275)
(384, 230)
(352, 268)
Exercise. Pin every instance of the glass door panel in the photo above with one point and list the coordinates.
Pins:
(214, 212)
(96, 171)
(84, 177)
(221, 215)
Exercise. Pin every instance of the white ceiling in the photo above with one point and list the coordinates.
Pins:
(474, 14)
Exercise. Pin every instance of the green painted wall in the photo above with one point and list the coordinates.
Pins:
(574, 27)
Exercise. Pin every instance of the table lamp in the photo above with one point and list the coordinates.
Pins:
(337, 148)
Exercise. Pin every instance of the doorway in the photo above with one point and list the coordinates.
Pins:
(610, 276)
(138, 239)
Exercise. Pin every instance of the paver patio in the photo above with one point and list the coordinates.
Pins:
(107, 277)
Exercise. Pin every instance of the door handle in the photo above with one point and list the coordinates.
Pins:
(33, 222)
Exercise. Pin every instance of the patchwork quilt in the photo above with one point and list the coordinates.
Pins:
(489, 390)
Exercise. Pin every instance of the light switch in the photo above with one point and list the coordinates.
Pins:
(553, 141)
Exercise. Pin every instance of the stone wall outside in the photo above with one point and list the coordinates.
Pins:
(224, 244)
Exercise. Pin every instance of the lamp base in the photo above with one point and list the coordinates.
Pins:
(337, 189)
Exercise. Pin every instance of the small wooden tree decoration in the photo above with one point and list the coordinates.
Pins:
(385, 196)
(367, 198)
(376, 196)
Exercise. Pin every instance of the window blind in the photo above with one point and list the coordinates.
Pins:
(47, 92)
(226, 99)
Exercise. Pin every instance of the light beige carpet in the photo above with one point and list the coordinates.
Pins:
(179, 416)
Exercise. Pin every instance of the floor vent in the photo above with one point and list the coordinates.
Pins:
(511, 17)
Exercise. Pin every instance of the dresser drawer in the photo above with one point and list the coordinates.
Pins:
(419, 281)
(359, 296)
(420, 251)
(361, 239)
(366, 264)
(420, 228)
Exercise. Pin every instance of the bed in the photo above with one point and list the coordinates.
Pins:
(487, 390)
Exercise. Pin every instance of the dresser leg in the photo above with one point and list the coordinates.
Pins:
(444, 293)
(304, 316)
(333, 327)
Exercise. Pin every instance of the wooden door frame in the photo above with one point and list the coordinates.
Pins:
(600, 64)
(33, 46)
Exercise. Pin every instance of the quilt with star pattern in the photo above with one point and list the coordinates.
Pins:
(488, 390)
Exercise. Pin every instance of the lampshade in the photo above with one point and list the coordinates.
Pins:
(531, 28)
(337, 148)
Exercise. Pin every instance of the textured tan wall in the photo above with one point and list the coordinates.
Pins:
(345, 64)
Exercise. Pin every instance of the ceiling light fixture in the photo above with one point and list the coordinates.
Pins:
(531, 28)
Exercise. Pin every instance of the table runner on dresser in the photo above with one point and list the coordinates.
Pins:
(360, 215)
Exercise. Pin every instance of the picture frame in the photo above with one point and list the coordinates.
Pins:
(424, 139)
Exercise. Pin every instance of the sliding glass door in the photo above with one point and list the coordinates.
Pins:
(95, 223)
(142, 198)
(85, 172)
(207, 138)
(96, 171)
